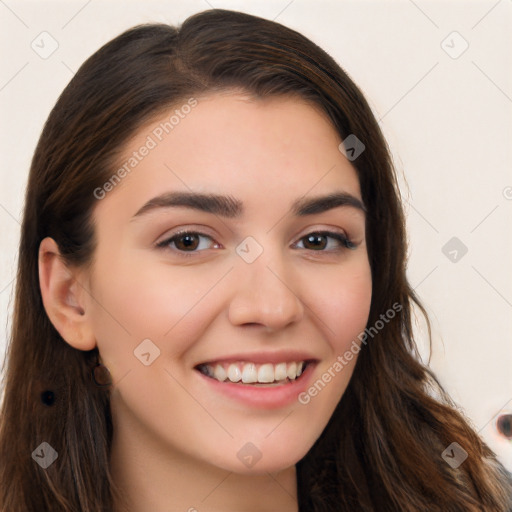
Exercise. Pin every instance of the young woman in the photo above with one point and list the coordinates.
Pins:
(212, 311)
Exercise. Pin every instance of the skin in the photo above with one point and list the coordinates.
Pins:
(175, 439)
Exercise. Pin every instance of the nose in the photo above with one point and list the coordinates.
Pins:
(263, 294)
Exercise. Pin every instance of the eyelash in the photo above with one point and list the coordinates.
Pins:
(345, 241)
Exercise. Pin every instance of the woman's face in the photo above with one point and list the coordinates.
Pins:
(255, 288)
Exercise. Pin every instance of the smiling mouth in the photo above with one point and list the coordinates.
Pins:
(247, 373)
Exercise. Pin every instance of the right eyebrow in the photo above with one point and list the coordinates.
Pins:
(225, 206)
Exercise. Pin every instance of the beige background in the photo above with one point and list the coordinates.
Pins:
(445, 110)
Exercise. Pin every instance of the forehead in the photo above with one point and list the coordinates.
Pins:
(232, 143)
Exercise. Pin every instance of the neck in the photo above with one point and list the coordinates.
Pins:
(162, 480)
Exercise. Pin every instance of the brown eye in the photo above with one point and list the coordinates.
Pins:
(315, 242)
(325, 241)
(187, 242)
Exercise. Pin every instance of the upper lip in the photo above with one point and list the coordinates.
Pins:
(285, 356)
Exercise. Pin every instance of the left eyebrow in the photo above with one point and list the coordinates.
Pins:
(228, 206)
(321, 204)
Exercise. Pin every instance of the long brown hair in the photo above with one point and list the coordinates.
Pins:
(382, 447)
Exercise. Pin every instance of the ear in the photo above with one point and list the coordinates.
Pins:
(64, 297)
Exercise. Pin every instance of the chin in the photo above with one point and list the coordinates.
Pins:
(266, 457)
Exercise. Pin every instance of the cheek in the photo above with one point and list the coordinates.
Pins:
(341, 302)
(341, 299)
(138, 299)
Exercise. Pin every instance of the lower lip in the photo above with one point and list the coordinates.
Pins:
(263, 397)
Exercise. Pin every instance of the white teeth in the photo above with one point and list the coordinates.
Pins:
(249, 373)
(220, 373)
(266, 373)
(292, 371)
(234, 373)
(280, 371)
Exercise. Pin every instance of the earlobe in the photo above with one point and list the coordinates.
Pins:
(64, 297)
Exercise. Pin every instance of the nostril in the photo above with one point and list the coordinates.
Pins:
(504, 425)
